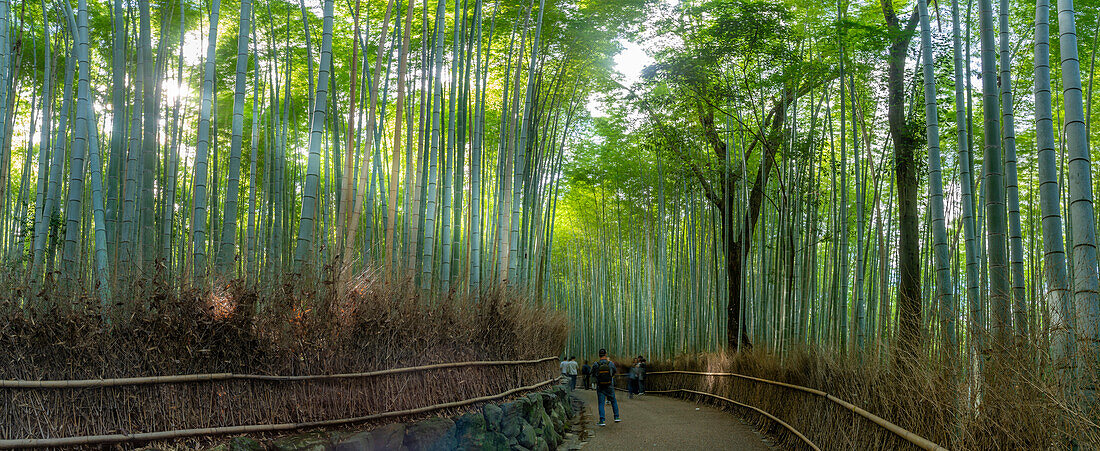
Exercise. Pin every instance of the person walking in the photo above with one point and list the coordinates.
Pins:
(586, 373)
(569, 370)
(568, 365)
(641, 375)
(632, 385)
(604, 370)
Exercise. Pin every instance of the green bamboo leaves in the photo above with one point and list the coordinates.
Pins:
(157, 209)
(796, 279)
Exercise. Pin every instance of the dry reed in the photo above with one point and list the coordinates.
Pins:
(1023, 410)
(280, 330)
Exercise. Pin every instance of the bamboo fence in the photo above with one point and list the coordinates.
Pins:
(898, 430)
(193, 405)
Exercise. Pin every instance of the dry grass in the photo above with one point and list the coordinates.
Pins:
(1020, 410)
(376, 326)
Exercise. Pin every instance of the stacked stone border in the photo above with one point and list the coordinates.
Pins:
(537, 421)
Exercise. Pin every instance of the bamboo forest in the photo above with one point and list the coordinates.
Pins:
(474, 224)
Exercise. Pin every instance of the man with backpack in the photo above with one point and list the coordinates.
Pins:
(604, 371)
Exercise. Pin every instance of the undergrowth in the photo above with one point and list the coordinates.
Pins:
(275, 329)
(1012, 408)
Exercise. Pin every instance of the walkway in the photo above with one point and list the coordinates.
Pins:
(659, 422)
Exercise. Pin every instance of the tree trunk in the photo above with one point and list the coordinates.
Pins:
(910, 328)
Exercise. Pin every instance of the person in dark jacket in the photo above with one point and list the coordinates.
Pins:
(586, 372)
(604, 371)
(632, 384)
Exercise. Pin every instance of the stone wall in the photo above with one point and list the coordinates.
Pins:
(535, 422)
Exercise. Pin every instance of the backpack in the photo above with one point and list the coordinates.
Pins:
(602, 370)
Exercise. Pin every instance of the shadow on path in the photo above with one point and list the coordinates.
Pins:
(659, 422)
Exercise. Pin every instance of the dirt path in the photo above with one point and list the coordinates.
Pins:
(659, 422)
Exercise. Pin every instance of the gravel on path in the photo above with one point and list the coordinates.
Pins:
(659, 422)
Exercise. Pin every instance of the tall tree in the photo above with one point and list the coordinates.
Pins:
(476, 153)
(966, 177)
(118, 119)
(257, 92)
(945, 295)
(73, 211)
(228, 250)
(906, 143)
(1054, 255)
(395, 163)
(316, 138)
(1012, 191)
(364, 170)
(150, 144)
(995, 211)
(40, 214)
(841, 297)
(199, 213)
(1079, 177)
(428, 263)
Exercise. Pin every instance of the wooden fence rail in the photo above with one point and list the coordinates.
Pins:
(898, 430)
(125, 381)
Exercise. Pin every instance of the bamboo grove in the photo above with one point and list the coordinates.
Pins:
(181, 145)
(872, 178)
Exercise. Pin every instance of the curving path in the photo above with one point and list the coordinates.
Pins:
(659, 422)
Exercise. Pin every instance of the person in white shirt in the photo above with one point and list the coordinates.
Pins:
(569, 370)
